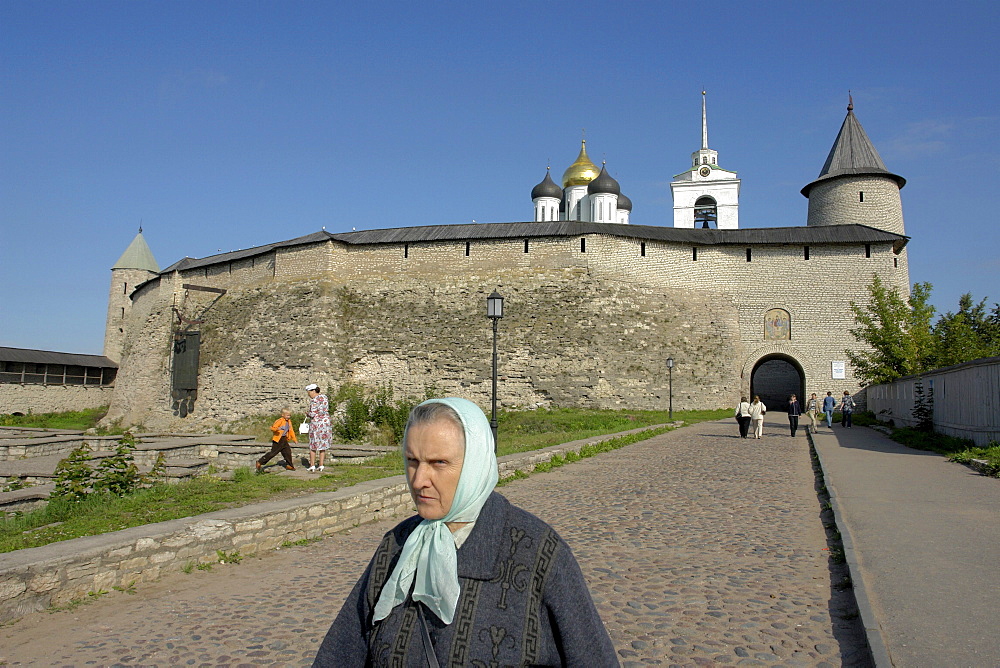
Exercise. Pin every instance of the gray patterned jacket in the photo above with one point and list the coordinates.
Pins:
(524, 602)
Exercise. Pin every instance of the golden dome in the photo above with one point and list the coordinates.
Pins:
(581, 172)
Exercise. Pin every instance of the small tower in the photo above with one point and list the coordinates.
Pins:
(624, 209)
(136, 265)
(602, 194)
(575, 180)
(546, 197)
(706, 195)
(854, 186)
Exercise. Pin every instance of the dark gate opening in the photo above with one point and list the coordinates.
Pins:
(775, 378)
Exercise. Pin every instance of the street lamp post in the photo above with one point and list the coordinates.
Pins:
(494, 311)
(670, 371)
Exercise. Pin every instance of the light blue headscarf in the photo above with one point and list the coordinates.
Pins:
(429, 555)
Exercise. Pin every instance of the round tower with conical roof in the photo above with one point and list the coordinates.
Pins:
(854, 187)
(136, 265)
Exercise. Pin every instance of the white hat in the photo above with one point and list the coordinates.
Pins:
(312, 386)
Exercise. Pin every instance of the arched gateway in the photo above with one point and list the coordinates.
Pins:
(774, 378)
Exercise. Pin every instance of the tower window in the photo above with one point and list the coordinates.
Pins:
(805, 250)
(861, 196)
(525, 245)
(583, 245)
(749, 257)
(466, 249)
(895, 262)
(868, 250)
(642, 249)
(406, 250)
(706, 213)
(124, 288)
(694, 254)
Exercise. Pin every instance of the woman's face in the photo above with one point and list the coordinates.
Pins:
(312, 393)
(434, 455)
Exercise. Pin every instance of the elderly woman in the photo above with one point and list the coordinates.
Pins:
(470, 580)
(320, 429)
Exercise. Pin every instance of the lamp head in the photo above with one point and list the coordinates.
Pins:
(494, 305)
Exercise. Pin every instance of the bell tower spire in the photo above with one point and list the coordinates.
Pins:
(706, 196)
(704, 124)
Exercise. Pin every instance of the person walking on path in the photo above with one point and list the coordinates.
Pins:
(846, 409)
(757, 410)
(794, 411)
(743, 416)
(812, 410)
(320, 430)
(282, 431)
(829, 403)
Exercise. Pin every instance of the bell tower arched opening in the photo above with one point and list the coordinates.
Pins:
(706, 213)
(774, 378)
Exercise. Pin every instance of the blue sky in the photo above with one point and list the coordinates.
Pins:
(225, 125)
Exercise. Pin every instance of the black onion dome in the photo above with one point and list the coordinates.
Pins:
(624, 202)
(604, 184)
(547, 188)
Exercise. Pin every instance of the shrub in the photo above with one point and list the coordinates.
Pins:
(73, 475)
(990, 454)
(118, 473)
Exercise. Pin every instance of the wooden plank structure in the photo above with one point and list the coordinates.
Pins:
(966, 400)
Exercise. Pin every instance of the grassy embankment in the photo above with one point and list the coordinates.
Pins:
(62, 519)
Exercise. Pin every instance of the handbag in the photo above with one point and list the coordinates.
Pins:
(304, 428)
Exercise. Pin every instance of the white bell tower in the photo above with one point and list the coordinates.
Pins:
(706, 196)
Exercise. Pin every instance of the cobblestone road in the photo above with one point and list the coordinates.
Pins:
(700, 549)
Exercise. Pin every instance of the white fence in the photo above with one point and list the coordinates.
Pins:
(966, 400)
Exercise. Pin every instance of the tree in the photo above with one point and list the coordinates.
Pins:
(895, 332)
(969, 334)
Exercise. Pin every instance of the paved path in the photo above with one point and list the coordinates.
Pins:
(925, 533)
(700, 549)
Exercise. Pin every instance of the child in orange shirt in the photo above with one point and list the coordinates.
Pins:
(283, 431)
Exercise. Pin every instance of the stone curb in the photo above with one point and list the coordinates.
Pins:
(873, 629)
(37, 578)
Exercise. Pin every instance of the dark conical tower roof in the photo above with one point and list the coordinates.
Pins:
(852, 154)
(604, 183)
(624, 202)
(547, 188)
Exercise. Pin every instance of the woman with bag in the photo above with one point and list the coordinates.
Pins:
(757, 410)
(743, 416)
(320, 429)
(846, 409)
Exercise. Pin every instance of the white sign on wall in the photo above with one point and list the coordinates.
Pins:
(838, 370)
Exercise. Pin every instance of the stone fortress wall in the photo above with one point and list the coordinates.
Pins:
(28, 398)
(589, 321)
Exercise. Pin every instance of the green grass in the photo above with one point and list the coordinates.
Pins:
(991, 453)
(62, 519)
(929, 440)
(81, 420)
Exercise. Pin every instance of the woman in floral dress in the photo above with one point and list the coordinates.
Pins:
(320, 431)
